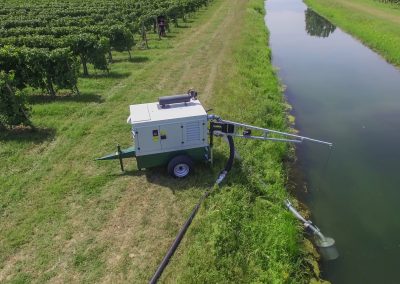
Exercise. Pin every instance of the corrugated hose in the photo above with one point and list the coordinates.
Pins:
(186, 225)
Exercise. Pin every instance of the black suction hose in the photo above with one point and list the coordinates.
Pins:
(229, 164)
(185, 226)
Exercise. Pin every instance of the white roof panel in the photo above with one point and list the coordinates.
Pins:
(154, 112)
(139, 113)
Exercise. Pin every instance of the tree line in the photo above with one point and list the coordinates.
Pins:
(46, 45)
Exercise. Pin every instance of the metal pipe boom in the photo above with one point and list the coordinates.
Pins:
(266, 131)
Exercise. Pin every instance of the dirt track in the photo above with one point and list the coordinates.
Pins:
(121, 234)
(148, 215)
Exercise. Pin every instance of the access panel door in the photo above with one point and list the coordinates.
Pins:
(194, 132)
(171, 136)
(147, 140)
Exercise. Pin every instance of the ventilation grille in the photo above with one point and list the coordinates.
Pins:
(193, 131)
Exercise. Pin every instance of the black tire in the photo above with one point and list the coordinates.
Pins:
(180, 166)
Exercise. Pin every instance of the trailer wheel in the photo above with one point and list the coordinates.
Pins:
(180, 166)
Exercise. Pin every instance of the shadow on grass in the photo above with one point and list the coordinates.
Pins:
(135, 59)
(160, 176)
(184, 27)
(203, 177)
(191, 20)
(155, 44)
(27, 134)
(169, 36)
(113, 75)
(139, 59)
(83, 98)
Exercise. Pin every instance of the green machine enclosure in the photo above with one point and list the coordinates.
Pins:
(162, 132)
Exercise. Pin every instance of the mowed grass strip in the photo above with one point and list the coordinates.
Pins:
(243, 233)
(374, 23)
(66, 218)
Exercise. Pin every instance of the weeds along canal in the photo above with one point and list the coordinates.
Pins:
(343, 92)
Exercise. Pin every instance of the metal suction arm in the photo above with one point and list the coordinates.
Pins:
(220, 126)
(325, 244)
(307, 223)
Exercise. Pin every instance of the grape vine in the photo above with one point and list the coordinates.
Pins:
(44, 44)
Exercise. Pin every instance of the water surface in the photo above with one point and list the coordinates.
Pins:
(343, 92)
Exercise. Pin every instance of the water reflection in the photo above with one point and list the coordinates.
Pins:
(343, 92)
(317, 25)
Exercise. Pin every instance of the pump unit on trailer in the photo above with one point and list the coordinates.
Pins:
(170, 132)
(176, 131)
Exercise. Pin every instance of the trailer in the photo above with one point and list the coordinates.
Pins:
(171, 132)
(177, 132)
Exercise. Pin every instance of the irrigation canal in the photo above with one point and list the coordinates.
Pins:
(343, 92)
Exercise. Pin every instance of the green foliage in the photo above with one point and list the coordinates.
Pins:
(40, 68)
(13, 106)
(63, 69)
(90, 49)
(89, 30)
(121, 38)
(375, 24)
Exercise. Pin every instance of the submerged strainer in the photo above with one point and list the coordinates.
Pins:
(326, 245)
(327, 248)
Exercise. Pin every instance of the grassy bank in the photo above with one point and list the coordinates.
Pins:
(375, 24)
(243, 234)
(66, 218)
